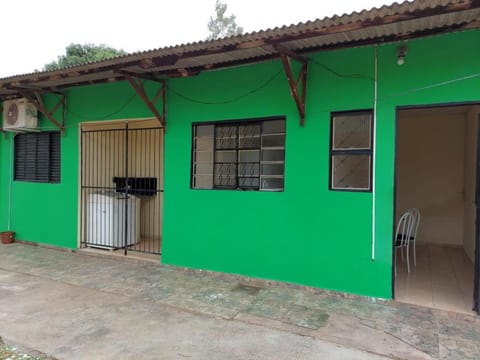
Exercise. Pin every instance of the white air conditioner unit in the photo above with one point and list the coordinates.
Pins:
(19, 114)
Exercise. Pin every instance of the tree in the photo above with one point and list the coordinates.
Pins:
(77, 54)
(221, 25)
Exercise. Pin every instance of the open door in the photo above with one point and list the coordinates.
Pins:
(438, 172)
(476, 295)
(476, 289)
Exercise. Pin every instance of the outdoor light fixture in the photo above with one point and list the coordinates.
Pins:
(402, 51)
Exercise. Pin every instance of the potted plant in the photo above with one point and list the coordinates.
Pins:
(7, 237)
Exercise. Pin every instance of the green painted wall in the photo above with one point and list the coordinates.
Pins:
(47, 213)
(299, 235)
(438, 70)
(306, 234)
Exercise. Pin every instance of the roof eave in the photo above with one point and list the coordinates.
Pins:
(190, 59)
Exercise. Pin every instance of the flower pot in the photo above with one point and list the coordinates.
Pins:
(7, 236)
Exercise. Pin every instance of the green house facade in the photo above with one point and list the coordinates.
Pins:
(318, 207)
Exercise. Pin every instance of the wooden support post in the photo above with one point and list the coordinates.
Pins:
(140, 90)
(299, 96)
(1, 130)
(38, 103)
(303, 80)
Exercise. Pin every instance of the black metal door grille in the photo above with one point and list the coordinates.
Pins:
(121, 189)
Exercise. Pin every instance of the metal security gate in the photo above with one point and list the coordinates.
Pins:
(121, 185)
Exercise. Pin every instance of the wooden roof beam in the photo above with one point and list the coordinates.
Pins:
(1, 130)
(291, 54)
(36, 99)
(140, 90)
(145, 76)
(386, 20)
(77, 71)
(157, 61)
(298, 87)
(33, 88)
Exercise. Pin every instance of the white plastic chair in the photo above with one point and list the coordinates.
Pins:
(403, 235)
(413, 239)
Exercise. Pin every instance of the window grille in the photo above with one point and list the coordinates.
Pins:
(351, 151)
(246, 155)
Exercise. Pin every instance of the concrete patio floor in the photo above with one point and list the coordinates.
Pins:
(69, 305)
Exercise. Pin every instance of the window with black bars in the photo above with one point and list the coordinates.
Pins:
(247, 155)
(37, 157)
(351, 151)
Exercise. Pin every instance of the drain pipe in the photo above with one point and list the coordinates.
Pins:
(10, 181)
(374, 144)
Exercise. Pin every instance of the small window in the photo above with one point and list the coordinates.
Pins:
(247, 155)
(351, 151)
(37, 157)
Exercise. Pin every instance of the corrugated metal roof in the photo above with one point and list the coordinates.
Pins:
(388, 23)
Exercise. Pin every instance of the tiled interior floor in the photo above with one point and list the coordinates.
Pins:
(442, 279)
(145, 245)
(149, 245)
(119, 254)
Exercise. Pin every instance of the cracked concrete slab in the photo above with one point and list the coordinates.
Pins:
(71, 321)
(70, 305)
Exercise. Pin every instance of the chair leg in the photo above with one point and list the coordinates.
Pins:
(395, 261)
(414, 253)
(401, 251)
(408, 261)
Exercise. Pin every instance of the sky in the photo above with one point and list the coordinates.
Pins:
(35, 32)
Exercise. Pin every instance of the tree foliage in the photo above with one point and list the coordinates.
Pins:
(221, 25)
(77, 54)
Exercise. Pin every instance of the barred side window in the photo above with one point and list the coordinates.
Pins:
(351, 151)
(37, 157)
(246, 155)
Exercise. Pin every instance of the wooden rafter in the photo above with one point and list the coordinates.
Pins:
(139, 88)
(76, 77)
(169, 61)
(1, 110)
(36, 99)
(298, 87)
(1, 130)
(145, 76)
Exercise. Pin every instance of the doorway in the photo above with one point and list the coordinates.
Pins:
(436, 172)
(121, 186)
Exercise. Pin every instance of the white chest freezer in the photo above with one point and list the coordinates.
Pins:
(106, 220)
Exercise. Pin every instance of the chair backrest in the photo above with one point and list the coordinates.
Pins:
(416, 219)
(405, 229)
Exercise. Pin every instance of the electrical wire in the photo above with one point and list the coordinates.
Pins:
(431, 86)
(265, 84)
(262, 86)
(220, 102)
(338, 74)
(179, 94)
(232, 100)
(10, 184)
(106, 116)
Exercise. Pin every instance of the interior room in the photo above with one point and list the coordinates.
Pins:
(436, 174)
